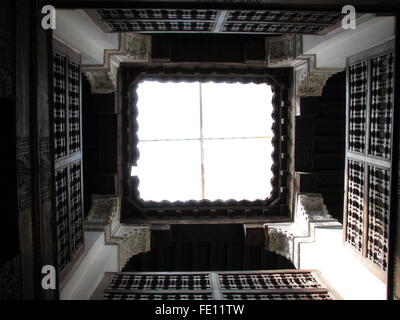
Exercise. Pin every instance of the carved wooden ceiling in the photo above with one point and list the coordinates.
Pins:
(214, 21)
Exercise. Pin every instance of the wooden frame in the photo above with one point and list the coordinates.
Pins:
(133, 206)
(215, 289)
(221, 21)
(366, 158)
(69, 159)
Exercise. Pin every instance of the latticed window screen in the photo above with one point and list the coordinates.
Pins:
(74, 109)
(60, 117)
(62, 217)
(358, 106)
(220, 21)
(67, 155)
(355, 204)
(378, 216)
(246, 285)
(368, 156)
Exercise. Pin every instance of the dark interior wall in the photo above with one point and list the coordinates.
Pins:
(208, 48)
(320, 144)
(205, 248)
(10, 259)
(28, 232)
(99, 134)
(8, 130)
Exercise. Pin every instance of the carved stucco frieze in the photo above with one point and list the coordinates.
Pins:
(285, 238)
(6, 80)
(287, 51)
(10, 279)
(311, 84)
(283, 50)
(131, 239)
(133, 48)
(136, 47)
(100, 81)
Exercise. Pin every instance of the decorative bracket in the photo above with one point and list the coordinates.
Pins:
(285, 238)
(133, 48)
(287, 51)
(312, 83)
(283, 50)
(105, 215)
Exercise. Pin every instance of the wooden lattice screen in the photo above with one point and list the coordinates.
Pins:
(233, 285)
(67, 155)
(214, 21)
(370, 94)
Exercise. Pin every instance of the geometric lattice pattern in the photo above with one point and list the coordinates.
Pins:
(370, 105)
(157, 14)
(382, 96)
(67, 163)
(268, 281)
(258, 27)
(278, 296)
(156, 296)
(155, 26)
(60, 107)
(358, 79)
(355, 204)
(74, 106)
(157, 20)
(284, 16)
(222, 21)
(76, 205)
(62, 220)
(378, 215)
(248, 285)
(163, 282)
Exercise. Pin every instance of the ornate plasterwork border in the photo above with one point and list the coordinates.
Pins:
(105, 215)
(133, 48)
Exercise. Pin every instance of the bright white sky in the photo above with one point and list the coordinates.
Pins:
(233, 168)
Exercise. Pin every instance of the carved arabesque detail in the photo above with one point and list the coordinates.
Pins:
(283, 49)
(287, 51)
(105, 215)
(133, 48)
(285, 238)
(312, 83)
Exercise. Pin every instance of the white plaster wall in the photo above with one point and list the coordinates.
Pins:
(340, 267)
(332, 49)
(77, 30)
(97, 259)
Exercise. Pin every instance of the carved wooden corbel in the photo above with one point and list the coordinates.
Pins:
(285, 238)
(133, 48)
(311, 84)
(287, 51)
(104, 215)
(283, 50)
(100, 81)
